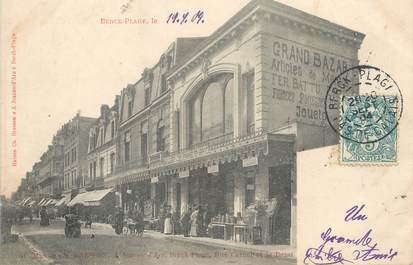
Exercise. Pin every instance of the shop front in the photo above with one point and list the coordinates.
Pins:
(241, 191)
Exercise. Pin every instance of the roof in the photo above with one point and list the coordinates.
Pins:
(91, 198)
(245, 12)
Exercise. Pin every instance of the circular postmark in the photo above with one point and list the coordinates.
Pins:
(363, 104)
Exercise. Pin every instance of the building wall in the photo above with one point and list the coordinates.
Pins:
(236, 56)
(297, 67)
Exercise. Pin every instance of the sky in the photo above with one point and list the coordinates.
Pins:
(67, 61)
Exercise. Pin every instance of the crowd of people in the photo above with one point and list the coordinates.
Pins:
(194, 221)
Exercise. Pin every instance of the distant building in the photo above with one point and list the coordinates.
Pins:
(51, 170)
(101, 157)
(76, 140)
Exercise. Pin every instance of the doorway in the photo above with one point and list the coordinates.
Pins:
(280, 188)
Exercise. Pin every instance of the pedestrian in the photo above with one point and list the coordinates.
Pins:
(176, 222)
(44, 217)
(195, 222)
(168, 221)
(31, 214)
(162, 215)
(186, 221)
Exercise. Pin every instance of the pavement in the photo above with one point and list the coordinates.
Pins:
(272, 250)
(100, 245)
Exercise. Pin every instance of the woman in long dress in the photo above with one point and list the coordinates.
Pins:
(194, 223)
(168, 224)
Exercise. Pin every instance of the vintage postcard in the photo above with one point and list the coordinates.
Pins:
(206, 132)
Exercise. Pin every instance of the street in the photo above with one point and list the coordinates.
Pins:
(100, 245)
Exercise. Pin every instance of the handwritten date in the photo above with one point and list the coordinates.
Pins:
(183, 18)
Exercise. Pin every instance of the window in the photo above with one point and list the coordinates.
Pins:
(112, 162)
(94, 169)
(129, 108)
(144, 147)
(112, 129)
(211, 110)
(74, 154)
(250, 191)
(160, 137)
(249, 102)
(195, 125)
(102, 166)
(144, 141)
(147, 96)
(91, 170)
(102, 136)
(163, 84)
(127, 146)
(229, 107)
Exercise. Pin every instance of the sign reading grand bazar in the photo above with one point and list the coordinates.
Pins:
(213, 127)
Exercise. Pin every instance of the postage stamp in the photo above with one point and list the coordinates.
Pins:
(364, 106)
(367, 127)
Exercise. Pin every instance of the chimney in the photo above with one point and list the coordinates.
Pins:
(104, 110)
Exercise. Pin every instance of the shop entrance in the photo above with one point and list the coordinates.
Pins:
(208, 191)
(280, 188)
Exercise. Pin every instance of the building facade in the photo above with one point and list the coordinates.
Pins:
(143, 133)
(217, 121)
(51, 170)
(236, 108)
(76, 140)
(102, 153)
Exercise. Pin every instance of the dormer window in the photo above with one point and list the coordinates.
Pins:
(130, 108)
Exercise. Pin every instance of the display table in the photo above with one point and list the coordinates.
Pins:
(229, 231)
(240, 233)
(218, 230)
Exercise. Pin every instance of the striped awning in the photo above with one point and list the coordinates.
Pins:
(90, 198)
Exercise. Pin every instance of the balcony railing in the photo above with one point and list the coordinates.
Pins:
(217, 144)
(133, 164)
(258, 140)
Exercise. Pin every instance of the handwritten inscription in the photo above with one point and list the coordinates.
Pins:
(365, 247)
(183, 18)
(354, 214)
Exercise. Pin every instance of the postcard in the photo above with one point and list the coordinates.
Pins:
(206, 132)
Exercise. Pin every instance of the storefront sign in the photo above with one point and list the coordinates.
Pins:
(213, 169)
(250, 161)
(250, 187)
(184, 174)
(155, 180)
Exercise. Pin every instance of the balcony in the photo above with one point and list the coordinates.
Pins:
(217, 150)
(225, 147)
(133, 164)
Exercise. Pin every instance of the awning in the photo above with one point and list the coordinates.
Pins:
(31, 203)
(50, 202)
(91, 198)
(63, 201)
(25, 201)
(42, 202)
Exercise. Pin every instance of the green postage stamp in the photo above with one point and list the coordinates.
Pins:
(364, 106)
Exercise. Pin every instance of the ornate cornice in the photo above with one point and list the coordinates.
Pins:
(265, 12)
